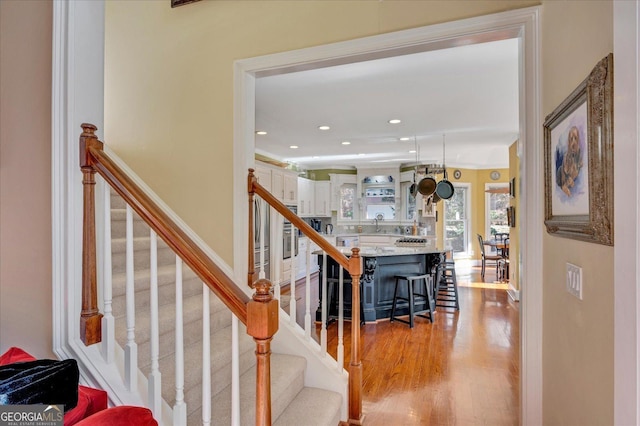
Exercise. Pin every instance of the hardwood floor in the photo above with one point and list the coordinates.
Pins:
(461, 370)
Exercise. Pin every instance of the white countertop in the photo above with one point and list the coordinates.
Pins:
(387, 251)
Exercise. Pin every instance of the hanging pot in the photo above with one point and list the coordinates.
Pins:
(413, 189)
(427, 185)
(444, 189)
(435, 198)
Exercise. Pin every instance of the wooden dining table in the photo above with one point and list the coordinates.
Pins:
(502, 247)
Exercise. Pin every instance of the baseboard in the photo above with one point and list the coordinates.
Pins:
(514, 294)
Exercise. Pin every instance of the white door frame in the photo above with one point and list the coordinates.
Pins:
(521, 23)
(626, 107)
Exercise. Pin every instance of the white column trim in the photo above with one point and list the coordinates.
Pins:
(626, 57)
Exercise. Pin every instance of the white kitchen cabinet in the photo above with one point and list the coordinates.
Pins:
(322, 198)
(285, 270)
(290, 188)
(263, 175)
(301, 258)
(344, 197)
(284, 186)
(277, 184)
(305, 197)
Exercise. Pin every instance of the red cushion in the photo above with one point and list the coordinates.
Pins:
(14, 354)
(122, 415)
(90, 400)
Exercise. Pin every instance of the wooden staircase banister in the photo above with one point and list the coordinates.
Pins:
(93, 156)
(259, 313)
(352, 264)
(344, 261)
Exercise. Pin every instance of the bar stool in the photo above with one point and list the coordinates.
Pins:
(414, 296)
(333, 296)
(446, 293)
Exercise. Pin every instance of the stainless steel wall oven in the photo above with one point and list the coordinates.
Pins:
(287, 229)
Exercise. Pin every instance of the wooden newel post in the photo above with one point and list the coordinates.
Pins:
(262, 325)
(90, 317)
(355, 365)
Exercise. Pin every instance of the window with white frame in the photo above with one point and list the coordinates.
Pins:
(497, 199)
(457, 220)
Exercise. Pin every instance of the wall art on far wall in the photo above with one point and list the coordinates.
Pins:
(578, 156)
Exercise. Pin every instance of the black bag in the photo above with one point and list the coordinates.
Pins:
(43, 381)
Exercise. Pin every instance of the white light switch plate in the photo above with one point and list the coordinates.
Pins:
(574, 280)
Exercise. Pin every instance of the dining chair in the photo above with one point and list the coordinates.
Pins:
(487, 257)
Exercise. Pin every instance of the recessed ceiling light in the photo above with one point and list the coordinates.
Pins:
(323, 127)
(395, 121)
(413, 151)
(362, 154)
(316, 156)
(405, 139)
(261, 132)
(346, 143)
(293, 146)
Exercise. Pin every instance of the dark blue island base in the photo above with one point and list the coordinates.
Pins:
(377, 282)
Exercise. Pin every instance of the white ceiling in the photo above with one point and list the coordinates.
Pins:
(469, 94)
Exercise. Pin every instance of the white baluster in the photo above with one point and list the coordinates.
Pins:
(180, 407)
(340, 354)
(131, 347)
(108, 321)
(276, 267)
(263, 229)
(292, 283)
(206, 358)
(155, 378)
(235, 373)
(323, 327)
(307, 311)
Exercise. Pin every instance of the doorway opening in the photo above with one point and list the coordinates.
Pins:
(521, 24)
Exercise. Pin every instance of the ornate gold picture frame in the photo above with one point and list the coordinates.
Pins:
(578, 152)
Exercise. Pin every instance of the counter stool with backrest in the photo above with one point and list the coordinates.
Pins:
(414, 295)
(446, 292)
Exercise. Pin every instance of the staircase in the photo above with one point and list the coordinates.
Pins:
(292, 402)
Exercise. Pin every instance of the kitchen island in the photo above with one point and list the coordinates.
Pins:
(380, 265)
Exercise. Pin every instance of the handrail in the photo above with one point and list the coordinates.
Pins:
(344, 261)
(351, 264)
(259, 313)
(92, 155)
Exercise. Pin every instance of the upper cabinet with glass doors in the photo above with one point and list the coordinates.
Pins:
(344, 197)
(379, 197)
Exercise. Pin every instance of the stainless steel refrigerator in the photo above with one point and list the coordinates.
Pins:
(261, 234)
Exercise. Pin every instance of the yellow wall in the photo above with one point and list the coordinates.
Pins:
(477, 180)
(577, 335)
(169, 83)
(25, 176)
(169, 114)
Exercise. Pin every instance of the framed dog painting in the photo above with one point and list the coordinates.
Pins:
(578, 152)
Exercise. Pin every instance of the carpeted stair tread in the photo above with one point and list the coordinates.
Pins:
(220, 365)
(287, 379)
(141, 256)
(292, 403)
(119, 224)
(318, 407)
(192, 312)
